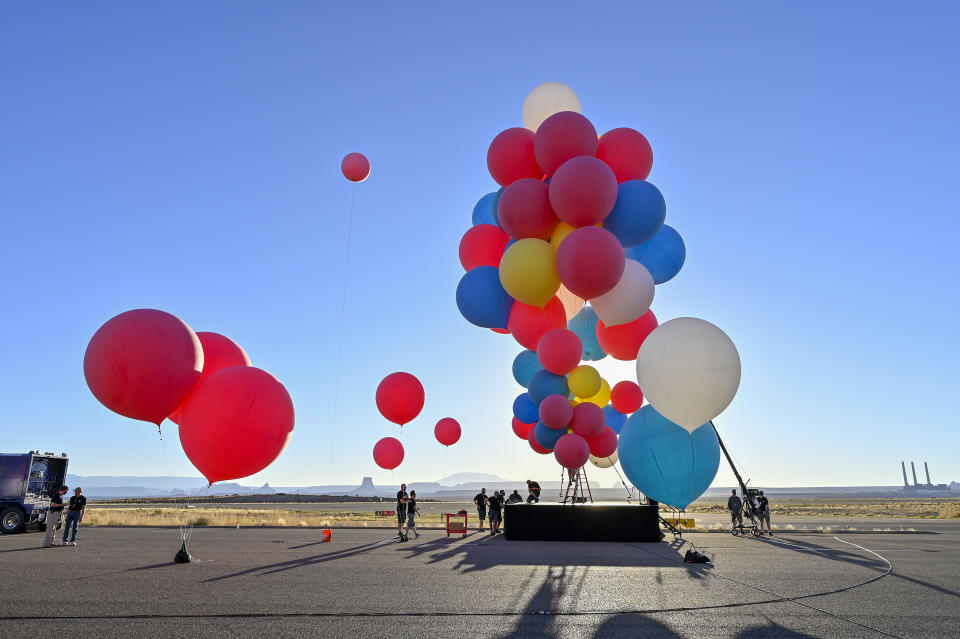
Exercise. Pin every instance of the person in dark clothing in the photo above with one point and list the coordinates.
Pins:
(53, 514)
(495, 503)
(412, 512)
(534, 489)
(735, 506)
(74, 516)
(480, 499)
(763, 512)
(402, 498)
(514, 498)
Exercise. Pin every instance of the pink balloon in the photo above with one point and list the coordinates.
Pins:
(524, 210)
(520, 429)
(604, 444)
(561, 137)
(388, 453)
(219, 352)
(583, 191)
(447, 431)
(537, 448)
(588, 420)
(572, 451)
(556, 412)
(355, 167)
(559, 351)
(590, 261)
(400, 397)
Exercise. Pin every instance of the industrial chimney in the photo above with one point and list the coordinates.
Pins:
(928, 473)
(913, 469)
(903, 467)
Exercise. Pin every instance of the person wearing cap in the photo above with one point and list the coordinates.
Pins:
(735, 506)
(74, 516)
(763, 512)
(53, 514)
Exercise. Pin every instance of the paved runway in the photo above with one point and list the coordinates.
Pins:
(284, 582)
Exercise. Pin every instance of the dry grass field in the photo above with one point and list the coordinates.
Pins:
(899, 508)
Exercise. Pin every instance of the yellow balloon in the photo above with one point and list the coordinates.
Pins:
(528, 272)
(560, 234)
(584, 381)
(602, 398)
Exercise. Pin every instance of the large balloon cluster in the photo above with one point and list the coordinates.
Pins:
(234, 419)
(566, 257)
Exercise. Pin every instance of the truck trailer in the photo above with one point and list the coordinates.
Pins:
(26, 483)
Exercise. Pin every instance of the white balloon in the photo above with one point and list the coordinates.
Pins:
(547, 99)
(604, 462)
(689, 371)
(629, 299)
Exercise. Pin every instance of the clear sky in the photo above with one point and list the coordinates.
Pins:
(185, 156)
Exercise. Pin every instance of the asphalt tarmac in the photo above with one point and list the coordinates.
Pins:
(284, 582)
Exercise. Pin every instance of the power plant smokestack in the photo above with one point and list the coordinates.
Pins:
(913, 469)
(903, 467)
(928, 474)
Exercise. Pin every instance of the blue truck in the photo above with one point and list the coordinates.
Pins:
(26, 482)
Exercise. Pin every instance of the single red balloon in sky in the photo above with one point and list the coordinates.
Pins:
(388, 453)
(604, 444)
(583, 191)
(447, 431)
(571, 451)
(510, 157)
(143, 364)
(561, 137)
(626, 397)
(524, 210)
(482, 245)
(537, 448)
(520, 429)
(627, 152)
(556, 412)
(559, 351)
(219, 352)
(355, 167)
(588, 420)
(623, 341)
(400, 397)
(590, 261)
(529, 323)
(236, 423)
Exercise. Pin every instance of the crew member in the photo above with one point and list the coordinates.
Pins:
(412, 512)
(495, 503)
(53, 514)
(74, 516)
(763, 512)
(480, 499)
(534, 490)
(401, 510)
(735, 506)
(514, 498)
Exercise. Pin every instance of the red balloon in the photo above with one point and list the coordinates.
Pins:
(529, 323)
(556, 412)
(520, 429)
(236, 423)
(219, 352)
(355, 167)
(524, 210)
(143, 364)
(583, 191)
(502, 331)
(510, 157)
(559, 351)
(627, 153)
(604, 444)
(447, 431)
(588, 420)
(623, 341)
(590, 261)
(572, 451)
(388, 453)
(626, 397)
(482, 245)
(537, 448)
(400, 397)
(561, 137)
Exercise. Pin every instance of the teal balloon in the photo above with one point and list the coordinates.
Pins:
(547, 437)
(525, 366)
(663, 256)
(544, 383)
(614, 418)
(483, 211)
(666, 462)
(584, 324)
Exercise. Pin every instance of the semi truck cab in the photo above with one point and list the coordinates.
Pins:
(26, 482)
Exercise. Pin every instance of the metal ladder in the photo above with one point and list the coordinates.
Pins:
(578, 482)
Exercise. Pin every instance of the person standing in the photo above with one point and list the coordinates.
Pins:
(495, 503)
(412, 512)
(534, 489)
(53, 514)
(74, 516)
(763, 512)
(480, 499)
(401, 511)
(734, 505)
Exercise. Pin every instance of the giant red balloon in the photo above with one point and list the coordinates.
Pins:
(388, 453)
(626, 397)
(510, 157)
(355, 167)
(236, 423)
(559, 351)
(520, 429)
(143, 364)
(604, 444)
(583, 191)
(588, 420)
(571, 451)
(447, 431)
(537, 448)
(627, 152)
(219, 352)
(528, 323)
(624, 341)
(524, 210)
(483, 245)
(561, 137)
(400, 397)
(556, 412)
(590, 261)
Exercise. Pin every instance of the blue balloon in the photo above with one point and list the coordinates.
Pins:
(483, 211)
(525, 365)
(666, 462)
(481, 298)
(547, 437)
(525, 410)
(638, 213)
(544, 383)
(584, 324)
(614, 418)
(495, 205)
(663, 255)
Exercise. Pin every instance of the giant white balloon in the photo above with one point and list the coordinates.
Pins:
(604, 462)
(547, 99)
(689, 371)
(629, 299)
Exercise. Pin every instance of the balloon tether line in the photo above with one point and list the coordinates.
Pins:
(184, 529)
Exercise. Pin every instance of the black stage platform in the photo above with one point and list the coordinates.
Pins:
(581, 522)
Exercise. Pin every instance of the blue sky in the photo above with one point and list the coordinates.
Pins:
(185, 156)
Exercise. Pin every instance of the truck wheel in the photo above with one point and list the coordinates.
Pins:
(12, 520)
